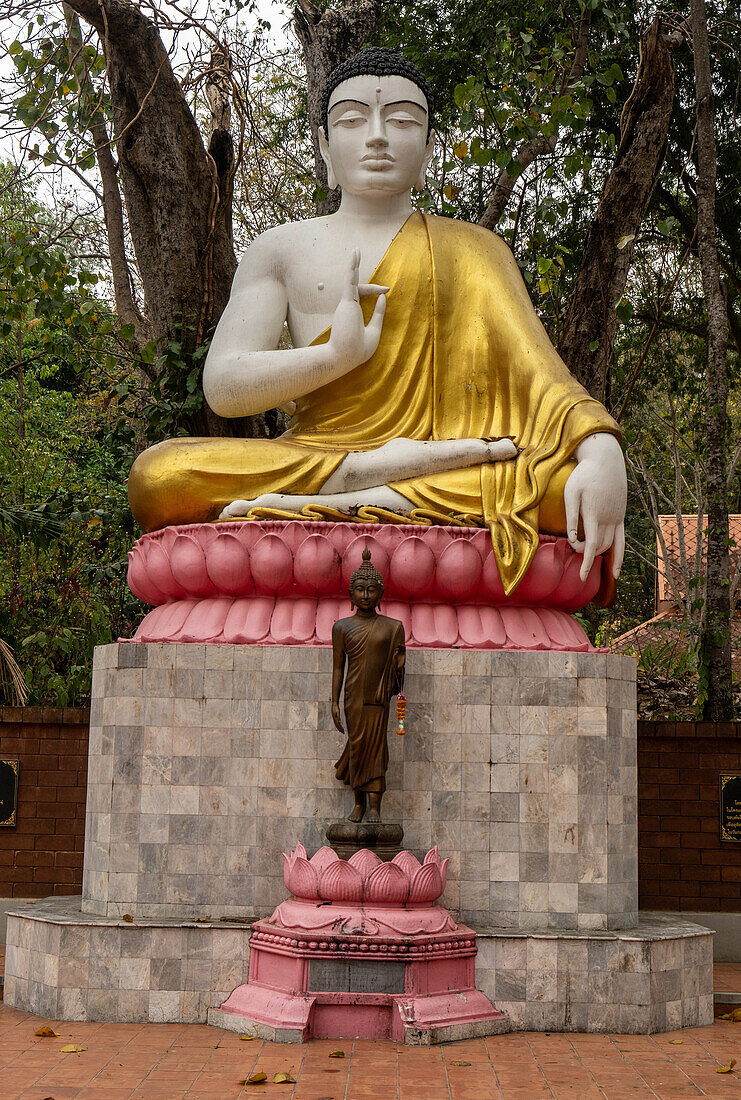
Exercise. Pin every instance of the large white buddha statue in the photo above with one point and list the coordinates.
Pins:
(421, 381)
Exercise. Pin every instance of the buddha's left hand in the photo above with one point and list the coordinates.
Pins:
(597, 490)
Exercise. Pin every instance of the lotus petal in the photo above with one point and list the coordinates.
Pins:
(364, 861)
(188, 565)
(317, 566)
(248, 620)
(387, 885)
(491, 582)
(301, 879)
(446, 624)
(299, 851)
(427, 884)
(458, 570)
(423, 624)
(433, 856)
(228, 565)
(323, 858)
(542, 577)
(206, 620)
(408, 863)
(139, 581)
(412, 568)
(272, 565)
(158, 569)
(169, 622)
(524, 628)
(340, 882)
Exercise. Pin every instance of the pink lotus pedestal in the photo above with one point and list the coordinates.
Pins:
(360, 951)
(278, 582)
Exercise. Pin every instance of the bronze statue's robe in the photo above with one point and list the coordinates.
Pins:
(462, 354)
(370, 646)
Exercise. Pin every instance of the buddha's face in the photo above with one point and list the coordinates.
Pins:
(377, 138)
(366, 594)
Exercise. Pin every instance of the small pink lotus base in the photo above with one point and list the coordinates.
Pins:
(284, 582)
(367, 962)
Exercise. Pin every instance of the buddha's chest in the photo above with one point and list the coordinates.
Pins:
(319, 271)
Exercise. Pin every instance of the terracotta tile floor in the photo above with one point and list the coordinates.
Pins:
(173, 1061)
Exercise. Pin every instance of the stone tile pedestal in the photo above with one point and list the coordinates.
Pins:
(208, 761)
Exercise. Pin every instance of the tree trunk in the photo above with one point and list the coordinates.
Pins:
(590, 321)
(177, 193)
(113, 214)
(715, 646)
(328, 38)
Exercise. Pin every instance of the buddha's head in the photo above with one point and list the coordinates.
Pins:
(366, 585)
(377, 135)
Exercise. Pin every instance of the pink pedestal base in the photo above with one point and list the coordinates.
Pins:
(360, 951)
(436, 999)
(273, 582)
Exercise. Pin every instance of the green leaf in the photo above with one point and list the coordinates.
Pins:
(594, 345)
(14, 48)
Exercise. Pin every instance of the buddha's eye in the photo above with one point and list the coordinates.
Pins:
(350, 121)
(402, 121)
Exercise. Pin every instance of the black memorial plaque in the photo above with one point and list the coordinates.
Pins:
(730, 807)
(8, 791)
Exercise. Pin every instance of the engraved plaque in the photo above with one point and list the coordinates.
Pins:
(8, 790)
(730, 807)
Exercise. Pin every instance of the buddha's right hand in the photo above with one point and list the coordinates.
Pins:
(351, 341)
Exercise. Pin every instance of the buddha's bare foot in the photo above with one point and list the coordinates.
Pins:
(501, 449)
(372, 816)
(357, 814)
(242, 507)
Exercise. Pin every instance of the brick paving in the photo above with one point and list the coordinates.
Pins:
(194, 1062)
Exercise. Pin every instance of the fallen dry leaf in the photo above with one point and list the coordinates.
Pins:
(284, 1079)
(246, 1038)
(72, 1049)
(202, 920)
(460, 1063)
(337, 1054)
(255, 1079)
(676, 1042)
(128, 918)
(728, 1068)
(47, 1033)
(734, 1015)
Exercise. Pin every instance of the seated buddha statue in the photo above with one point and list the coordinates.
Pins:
(421, 381)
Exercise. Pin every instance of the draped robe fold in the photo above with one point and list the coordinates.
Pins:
(370, 646)
(462, 354)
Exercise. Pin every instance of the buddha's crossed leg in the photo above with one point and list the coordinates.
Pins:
(362, 476)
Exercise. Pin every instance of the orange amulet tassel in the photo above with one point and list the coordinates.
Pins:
(401, 710)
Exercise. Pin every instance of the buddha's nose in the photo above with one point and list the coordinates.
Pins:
(376, 131)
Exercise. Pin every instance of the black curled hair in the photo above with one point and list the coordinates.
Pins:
(377, 61)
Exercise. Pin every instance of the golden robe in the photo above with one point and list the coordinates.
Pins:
(462, 355)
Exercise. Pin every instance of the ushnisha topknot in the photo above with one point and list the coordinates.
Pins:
(367, 571)
(377, 61)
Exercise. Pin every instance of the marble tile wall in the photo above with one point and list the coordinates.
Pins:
(207, 762)
(61, 964)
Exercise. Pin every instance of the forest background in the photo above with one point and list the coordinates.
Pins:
(146, 143)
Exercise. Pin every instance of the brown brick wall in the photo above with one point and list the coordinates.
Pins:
(682, 864)
(42, 854)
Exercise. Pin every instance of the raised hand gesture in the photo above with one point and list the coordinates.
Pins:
(351, 341)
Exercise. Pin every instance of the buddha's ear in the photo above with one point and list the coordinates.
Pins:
(421, 183)
(326, 157)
